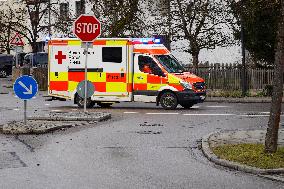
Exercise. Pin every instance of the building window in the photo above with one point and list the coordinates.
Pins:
(112, 54)
(80, 7)
(64, 8)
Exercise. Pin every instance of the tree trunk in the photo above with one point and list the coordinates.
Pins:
(195, 60)
(34, 47)
(271, 138)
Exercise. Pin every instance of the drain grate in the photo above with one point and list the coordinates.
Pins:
(149, 132)
(10, 160)
(145, 124)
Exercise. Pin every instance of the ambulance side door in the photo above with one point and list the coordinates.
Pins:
(115, 66)
(146, 81)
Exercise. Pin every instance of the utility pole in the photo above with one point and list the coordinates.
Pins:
(243, 75)
(169, 23)
(49, 27)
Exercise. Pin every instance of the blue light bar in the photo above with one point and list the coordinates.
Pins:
(147, 40)
(157, 41)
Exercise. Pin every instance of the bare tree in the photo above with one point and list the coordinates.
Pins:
(201, 23)
(30, 20)
(271, 138)
(7, 17)
(119, 18)
(64, 20)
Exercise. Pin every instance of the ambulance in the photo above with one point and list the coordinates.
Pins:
(122, 70)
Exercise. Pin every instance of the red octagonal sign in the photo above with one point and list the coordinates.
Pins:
(87, 28)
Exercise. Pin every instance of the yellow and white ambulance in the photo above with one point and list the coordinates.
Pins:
(122, 70)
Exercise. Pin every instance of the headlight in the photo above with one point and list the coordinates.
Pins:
(186, 85)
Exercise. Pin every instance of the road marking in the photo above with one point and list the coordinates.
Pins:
(130, 112)
(195, 107)
(47, 104)
(56, 110)
(253, 115)
(16, 109)
(217, 106)
(209, 114)
(162, 113)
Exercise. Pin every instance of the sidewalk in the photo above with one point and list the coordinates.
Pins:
(237, 137)
(240, 100)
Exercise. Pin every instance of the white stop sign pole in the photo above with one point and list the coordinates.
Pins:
(86, 75)
(87, 28)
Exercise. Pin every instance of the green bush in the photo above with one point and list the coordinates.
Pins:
(268, 90)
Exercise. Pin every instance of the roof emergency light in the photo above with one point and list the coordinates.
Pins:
(146, 41)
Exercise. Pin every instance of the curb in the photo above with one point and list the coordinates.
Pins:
(233, 165)
(41, 125)
(104, 116)
(238, 100)
(31, 130)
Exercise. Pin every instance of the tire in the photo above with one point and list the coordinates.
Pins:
(187, 105)
(80, 102)
(169, 101)
(104, 105)
(3, 73)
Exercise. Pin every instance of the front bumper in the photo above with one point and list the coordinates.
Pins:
(191, 96)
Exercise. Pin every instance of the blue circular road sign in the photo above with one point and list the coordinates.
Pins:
(25, 87)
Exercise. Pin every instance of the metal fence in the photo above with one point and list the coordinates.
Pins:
(230, 78)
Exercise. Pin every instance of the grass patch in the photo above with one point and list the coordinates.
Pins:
(251, 155)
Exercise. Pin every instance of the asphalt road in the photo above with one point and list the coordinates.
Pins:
(142, 146)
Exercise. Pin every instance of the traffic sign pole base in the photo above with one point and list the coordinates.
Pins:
(25, 112)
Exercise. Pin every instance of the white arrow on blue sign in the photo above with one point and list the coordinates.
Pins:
(25, 87)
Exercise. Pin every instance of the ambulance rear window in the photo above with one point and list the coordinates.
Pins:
(112, 54)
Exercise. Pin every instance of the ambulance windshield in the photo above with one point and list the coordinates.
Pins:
(170, 63)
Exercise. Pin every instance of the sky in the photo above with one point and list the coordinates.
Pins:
(218, 55)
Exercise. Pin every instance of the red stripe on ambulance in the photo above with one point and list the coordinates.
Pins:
(58, 85)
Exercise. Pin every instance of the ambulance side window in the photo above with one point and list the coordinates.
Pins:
(112, 54)
(148, 65)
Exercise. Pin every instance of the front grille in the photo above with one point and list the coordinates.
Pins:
(199, 85)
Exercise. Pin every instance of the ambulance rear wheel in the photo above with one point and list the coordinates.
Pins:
(80, 102)
(169, 101)
(104, 105)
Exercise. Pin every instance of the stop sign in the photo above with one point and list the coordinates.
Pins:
(87, 28)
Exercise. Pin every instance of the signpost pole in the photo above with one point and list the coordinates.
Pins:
(17, 63)
(87, 28)
(86, 76)
(25, 112)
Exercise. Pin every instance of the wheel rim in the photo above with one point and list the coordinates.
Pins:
(3, 73)
(168, 101)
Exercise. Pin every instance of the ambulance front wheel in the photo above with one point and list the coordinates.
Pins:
(80, 102)
(169, 101)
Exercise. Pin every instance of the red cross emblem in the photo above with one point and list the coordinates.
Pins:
(60, 57)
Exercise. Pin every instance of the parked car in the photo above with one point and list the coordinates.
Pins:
(39, 59)
(20, 59)
(6, 64)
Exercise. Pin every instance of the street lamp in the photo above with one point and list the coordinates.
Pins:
(244, 78)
